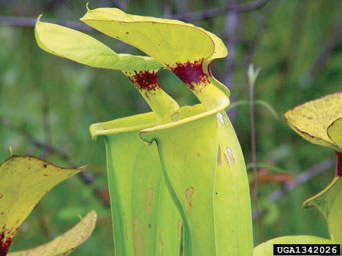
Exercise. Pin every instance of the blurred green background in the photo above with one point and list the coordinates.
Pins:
(47, 103)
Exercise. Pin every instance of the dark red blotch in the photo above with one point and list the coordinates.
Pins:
(4, 244)
(145, 80)
(190, 73)
(339, 164)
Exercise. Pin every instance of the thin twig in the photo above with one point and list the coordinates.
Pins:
(254, 158)
(216, 12)
(46, 124)
(300, 179)
(332, 43)
(230, 28)
(43, 223)
(255, 43)
(189, 16)
(30, 22)
(85, 176)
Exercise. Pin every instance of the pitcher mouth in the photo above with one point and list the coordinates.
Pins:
(124, 124)
(145, 121)
(191, 114)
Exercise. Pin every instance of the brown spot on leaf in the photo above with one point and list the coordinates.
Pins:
(144, 80)
(191, 73)
(148, 201)
(219, 160)
(127, 33)
(138, 238)
(188, 196)
(1, 195)
(44, 165)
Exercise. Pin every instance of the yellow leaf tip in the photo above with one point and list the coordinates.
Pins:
(83, 167)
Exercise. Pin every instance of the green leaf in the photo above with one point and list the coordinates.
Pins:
(313, 119)
(79, 47)
(24, 180)
(256, 102)
(149, 34)
(268, 107)
(266, 248)
(65, 243)
(329, 203)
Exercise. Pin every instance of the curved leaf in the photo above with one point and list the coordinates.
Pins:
(185, 49)
(149, 34)
(24, 180)
(329, 203)
(266, 248)
(313, 119)
(79, 47)
(256, 102)
(65, 243)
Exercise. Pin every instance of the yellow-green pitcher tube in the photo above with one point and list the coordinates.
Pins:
(145, 219)
(205, 171)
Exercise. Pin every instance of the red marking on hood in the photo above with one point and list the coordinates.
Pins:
(209, 70)
(191, 73)
(145, 80)
(4, 244)
(339, 164)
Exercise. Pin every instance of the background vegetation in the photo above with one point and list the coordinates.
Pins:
(47, 103)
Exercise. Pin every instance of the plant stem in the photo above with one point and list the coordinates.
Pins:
(254, 159)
